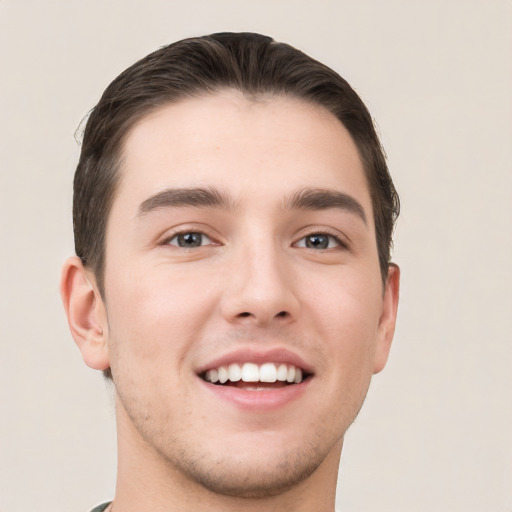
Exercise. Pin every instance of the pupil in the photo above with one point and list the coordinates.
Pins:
(317, 242)
(190, 240)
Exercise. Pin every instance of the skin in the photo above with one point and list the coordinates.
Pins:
(252, 285)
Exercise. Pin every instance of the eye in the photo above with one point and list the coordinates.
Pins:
(319, 241)
(189, 240)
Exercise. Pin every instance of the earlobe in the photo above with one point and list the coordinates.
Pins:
(86, 313)
(387, 319)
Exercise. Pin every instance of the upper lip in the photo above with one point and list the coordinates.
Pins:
(258, 356)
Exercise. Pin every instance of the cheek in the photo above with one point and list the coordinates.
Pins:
(348, 302)
(153, 318)
(345, 316)
(348, 317)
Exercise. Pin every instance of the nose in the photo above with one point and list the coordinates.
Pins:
(260, 289)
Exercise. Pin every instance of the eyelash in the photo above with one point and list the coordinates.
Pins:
(338, 242)
(169, 239)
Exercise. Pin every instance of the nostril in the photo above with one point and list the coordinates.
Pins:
(247, 314)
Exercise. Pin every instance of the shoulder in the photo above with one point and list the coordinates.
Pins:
(100, 508)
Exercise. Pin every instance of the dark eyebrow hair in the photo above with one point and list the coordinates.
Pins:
(195, 197)
(321, 199)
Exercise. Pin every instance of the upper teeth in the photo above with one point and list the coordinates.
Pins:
(251, 372)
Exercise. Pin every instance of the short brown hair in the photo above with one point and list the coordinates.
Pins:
(251, 63)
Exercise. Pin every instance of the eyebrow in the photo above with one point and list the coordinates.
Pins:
(323, 199)
(302, 199)
(194, 197)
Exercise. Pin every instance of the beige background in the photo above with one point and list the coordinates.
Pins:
(435, 433)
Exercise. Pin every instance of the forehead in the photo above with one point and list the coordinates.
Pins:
(252, 147)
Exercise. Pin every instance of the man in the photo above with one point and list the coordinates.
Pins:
(233, 215)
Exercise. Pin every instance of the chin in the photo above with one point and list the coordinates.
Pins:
(259, 469)
(245, 479)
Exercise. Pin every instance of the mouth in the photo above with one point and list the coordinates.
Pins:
(251, 376)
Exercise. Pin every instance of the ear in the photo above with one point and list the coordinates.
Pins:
(387, 319)
(86, 313)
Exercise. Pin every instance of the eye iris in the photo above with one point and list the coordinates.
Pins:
(190, 239)
(317, 241)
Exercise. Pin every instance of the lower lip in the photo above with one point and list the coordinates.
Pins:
(263, 400)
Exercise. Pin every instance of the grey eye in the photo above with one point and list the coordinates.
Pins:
(318, 241)
(189, 240)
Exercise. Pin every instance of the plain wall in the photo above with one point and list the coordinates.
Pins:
(435, 432)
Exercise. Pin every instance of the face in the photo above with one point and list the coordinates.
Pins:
(241, 246)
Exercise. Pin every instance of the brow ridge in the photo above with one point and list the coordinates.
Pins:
(194, 197)
(302, 199)
(323, 199)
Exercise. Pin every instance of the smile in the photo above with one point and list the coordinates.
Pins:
(278, 374)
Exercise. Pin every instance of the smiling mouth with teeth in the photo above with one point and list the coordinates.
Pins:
(254, 377)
